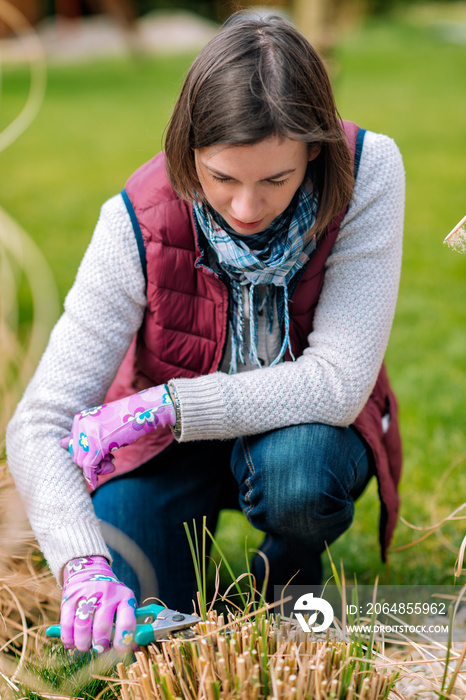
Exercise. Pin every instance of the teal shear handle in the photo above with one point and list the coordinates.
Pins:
(53, 631)
(153, 622)
(145, 618)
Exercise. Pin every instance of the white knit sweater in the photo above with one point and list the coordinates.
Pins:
(329, 383)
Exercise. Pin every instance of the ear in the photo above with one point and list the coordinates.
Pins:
(314, 151)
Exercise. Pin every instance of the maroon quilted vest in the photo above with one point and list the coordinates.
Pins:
(184, 330)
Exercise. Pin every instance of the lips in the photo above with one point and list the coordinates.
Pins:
(248, 225)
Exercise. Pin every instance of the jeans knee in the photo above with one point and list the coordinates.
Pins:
(298, 482)
(313, 514)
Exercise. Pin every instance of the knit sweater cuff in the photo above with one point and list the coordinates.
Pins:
(74, 540)
(203, 411)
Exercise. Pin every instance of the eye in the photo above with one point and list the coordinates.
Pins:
(220, 179)
(278, 183)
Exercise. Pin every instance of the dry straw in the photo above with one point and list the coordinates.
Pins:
(457, 515)
(257, 654)
(259, 659)
(253, 659)
(29, 596)
(456, 239)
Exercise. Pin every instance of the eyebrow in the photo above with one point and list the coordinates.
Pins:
(270, 177)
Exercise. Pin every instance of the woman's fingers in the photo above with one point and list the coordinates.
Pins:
(64, 442)
(125, 627)
(102, 628)
(67, 624)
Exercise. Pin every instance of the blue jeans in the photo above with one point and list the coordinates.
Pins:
(297, 485)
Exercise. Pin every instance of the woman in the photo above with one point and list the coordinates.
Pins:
(245, 281)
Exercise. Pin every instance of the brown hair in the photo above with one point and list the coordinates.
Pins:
(259, 77)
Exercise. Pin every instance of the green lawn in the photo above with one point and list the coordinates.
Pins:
(101, 120)
(402, 81)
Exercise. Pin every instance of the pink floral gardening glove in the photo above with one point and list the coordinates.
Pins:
(96, 609)
(98, 431)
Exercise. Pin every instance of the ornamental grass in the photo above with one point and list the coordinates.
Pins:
(240, 653)
(253, 659)
(231, 655)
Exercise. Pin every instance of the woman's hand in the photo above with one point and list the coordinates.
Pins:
(97, 610)
(98, 431)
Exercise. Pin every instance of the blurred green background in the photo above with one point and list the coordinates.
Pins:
(402, 73)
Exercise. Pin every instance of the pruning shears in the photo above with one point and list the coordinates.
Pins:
(153, 623)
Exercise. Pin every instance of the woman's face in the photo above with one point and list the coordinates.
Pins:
(251, 185)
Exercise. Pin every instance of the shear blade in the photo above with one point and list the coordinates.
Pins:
(170, 621)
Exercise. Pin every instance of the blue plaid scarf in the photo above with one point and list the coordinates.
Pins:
(271, 257)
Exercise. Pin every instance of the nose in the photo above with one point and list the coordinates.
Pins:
(246, 205)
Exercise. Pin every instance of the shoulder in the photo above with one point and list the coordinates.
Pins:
(153, 206)
(149, 185)
(115, 213)
(374, 218)
(113, 244)
(380, 157)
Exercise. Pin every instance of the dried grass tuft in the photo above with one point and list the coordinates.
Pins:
(456, 239)
(253, 659)
(29, 597)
